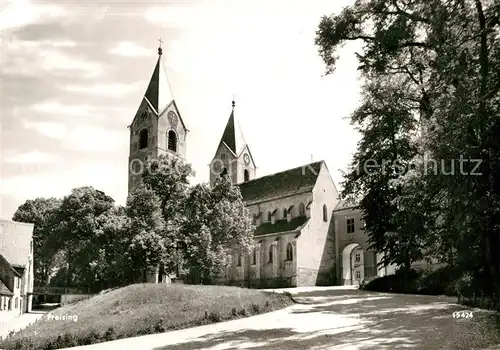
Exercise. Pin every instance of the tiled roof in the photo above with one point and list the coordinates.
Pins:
(289, 182)
(281, 226)
(15, 238)
(4, 291)
(346, 204)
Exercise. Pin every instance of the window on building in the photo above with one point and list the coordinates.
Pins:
(18, 282)
(302, 209)
(285, 213)
(31, 247)
(325, 213)
(143, 139)
(15, 303)
(238, 260)
(254, 219)
(254, 256)
(350, 225)
(270, 254)
(172, 141)
(223, 172)
(358, 275)
(269, 216)
(357, 257)
(289, 252)
(246, 175)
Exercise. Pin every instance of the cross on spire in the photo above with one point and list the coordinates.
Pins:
(160, 51)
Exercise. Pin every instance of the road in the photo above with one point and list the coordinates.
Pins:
(336, 318)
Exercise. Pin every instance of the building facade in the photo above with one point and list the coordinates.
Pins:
(305, 234)
(16, 268)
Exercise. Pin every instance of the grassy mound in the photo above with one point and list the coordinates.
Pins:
(141, 309)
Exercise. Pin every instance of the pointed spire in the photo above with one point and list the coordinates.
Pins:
(233, 135)
(159, 93)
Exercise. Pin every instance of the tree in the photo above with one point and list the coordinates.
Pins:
(148, 240)
(78, 225)
(38, 212)
(218, 225)
(446, 55)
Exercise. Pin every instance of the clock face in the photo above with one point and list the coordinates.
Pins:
(246, 158)
(172, 118)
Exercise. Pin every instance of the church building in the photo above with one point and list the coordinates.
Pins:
(305, 235)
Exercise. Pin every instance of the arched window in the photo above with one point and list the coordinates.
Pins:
(143, 138)
(302, 209)
(223, 172)
(246, 175)
(285, 213)
(269, 216)
(254, 256)
(289, 252)
(238, 261)
(271, 254)
(172, 141)
(325, 213)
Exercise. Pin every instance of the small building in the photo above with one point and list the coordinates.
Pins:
(16, 268)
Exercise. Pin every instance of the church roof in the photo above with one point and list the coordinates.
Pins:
(233, 135)
(346, 204)
(281, 226)
(159, 94)
(289, 182)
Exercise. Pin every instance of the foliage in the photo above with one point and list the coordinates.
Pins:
(431, 72)
(83, 227)
(141, 309)
(219, 226)
(146, 242)
(38, 211)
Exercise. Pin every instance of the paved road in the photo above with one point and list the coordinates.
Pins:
(336, 318)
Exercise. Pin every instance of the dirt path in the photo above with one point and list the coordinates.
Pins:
(337, 318)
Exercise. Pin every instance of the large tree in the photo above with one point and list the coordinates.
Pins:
(443, 58)
(80, 226)
(45, 247)
(217, 226)
(147, 242)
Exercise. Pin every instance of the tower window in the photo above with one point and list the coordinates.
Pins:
(143, 138)
(325, 213)
(269, 216)
(224, 172)
(246, 175)
(289, 252)
(350, 225)
(254, 256)
(270, 254)
(172, 141)
(302, 210)
(285, 213)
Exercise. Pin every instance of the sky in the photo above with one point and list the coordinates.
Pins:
(73, 74)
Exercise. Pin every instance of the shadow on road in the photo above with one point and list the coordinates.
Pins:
(363, 320)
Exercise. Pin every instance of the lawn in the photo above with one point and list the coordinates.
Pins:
(143, 309)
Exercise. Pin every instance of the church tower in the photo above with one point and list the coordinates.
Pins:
(233, 157)
(157, 127)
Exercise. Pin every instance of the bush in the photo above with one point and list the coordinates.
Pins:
(401, 282)
(438, 282)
